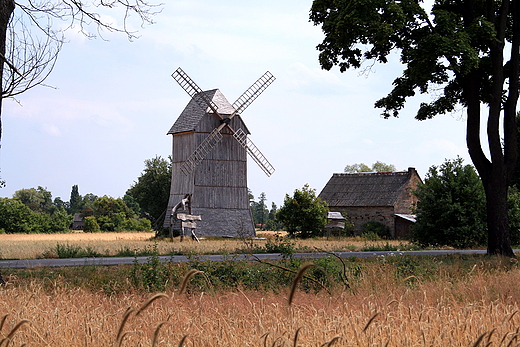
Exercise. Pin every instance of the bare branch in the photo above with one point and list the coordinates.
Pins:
(30, 57)
(87, 16)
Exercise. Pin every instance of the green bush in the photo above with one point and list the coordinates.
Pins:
(304, 214)
(513, 202)
(375, 230)
(91, 225)
(451, 210)
(60, 220)
(153, 275)
(281, 245)
(15, 217)
(141, 224)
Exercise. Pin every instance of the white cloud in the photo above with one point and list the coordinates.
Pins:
(315, 81)
(51, 129)
(440, 146)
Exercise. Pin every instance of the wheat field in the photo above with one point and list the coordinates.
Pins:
(28, 246)
(479, 308)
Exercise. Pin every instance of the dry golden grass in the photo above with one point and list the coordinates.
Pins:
(26, 246)
(379, 311)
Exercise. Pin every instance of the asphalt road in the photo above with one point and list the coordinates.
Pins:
(110, 261)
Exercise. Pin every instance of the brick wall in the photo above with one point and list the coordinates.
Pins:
(407, 199)
(362, 215)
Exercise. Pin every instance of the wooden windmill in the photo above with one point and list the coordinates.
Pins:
(210, 147)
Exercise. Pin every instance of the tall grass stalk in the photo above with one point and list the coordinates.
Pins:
(460, 305)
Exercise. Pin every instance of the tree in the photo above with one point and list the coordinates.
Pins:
(38, 200)
(30, 55)
(451, 210)
(304, 214)
(15, 216)
(361, 167)
(30, 198)
(260, 211)
(464, 53)
(383, 167)
(152, 189)
(513, 202)
(272, 223)
(376, 167)
(111, 213)
(75, 200)
(261, 214)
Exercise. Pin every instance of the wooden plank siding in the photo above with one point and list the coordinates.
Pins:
(220, 197)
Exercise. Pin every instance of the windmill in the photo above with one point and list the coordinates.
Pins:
(209, 158)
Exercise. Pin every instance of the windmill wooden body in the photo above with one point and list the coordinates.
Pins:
(210, 148)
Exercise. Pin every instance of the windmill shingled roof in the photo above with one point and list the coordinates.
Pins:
(193, 113)
(364, 189)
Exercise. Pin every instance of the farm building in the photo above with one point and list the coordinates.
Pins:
(384, 197)
(78, 222)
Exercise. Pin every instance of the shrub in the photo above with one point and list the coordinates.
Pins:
(91, 225)
(15, 217)
(375, 230)
(60, 220)
(451, 209)
(513, 202)
(304, 214)
(141, 224)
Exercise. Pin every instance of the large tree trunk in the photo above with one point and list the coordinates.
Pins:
(499, 239)
(6, 10)
(496, 172)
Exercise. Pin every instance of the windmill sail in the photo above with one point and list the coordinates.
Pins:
(215, 137)
(194, 91)
(253, 92)
(254, 152)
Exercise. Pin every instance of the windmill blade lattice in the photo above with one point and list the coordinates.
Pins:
(254, 152)
(194, 91)
(202, 150)
(253, 92)
(215, 137)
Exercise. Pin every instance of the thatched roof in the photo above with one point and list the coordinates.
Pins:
(365, 189)
(193, 113)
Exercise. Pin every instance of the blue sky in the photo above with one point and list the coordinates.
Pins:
(113, 102)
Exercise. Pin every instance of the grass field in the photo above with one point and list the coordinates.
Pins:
(27, 246)
(392, 301)
(462, 306)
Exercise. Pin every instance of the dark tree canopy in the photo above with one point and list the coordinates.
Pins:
(460, 52)
(451, 209)
(304, 214)
(152, 189)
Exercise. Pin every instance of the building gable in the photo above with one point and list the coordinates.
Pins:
(365, 189)
(373, 197)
